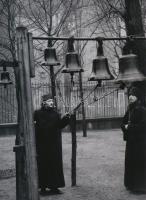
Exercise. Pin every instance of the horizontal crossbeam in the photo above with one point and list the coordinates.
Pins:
(90, 39)
(4, 63)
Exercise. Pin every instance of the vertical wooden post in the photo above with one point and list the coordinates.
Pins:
(53, 86)
(26, 138)
(83, 109)
(31, 56)
(21, 184)
(74, 147)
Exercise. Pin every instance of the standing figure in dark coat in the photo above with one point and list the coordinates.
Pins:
(48, 125)
(134, 131)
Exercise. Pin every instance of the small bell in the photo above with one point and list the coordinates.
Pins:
(5, 78)
(72, 60)
(72, 63)
(100, 68)
(50, 57)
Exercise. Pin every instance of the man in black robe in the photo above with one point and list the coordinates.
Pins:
(48, 125)
(134, 131)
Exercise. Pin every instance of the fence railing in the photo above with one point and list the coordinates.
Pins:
(111, 102)
(8, 104)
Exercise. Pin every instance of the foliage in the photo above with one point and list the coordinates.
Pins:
(89, 18)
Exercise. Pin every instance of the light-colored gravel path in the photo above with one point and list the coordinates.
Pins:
(100, 168)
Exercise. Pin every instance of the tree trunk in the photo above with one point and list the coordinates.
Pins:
(134, 26)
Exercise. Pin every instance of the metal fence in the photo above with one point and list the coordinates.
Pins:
(8, 104)
(111, 102)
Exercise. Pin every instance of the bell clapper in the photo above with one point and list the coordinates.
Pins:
(72, 79)
(99, 83)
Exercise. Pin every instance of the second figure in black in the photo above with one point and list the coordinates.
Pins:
(134, 129)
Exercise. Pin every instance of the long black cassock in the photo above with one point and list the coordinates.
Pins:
(135, 153)
(48, 125)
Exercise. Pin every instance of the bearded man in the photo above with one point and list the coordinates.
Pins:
(48, 125)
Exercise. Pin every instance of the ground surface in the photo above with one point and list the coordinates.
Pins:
(100, 168)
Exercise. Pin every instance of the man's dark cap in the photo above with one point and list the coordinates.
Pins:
(45, 97)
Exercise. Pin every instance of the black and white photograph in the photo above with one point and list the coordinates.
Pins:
(72, 99)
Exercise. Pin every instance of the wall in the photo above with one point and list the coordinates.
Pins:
(92, 124)
(8, 129)
(102, 123)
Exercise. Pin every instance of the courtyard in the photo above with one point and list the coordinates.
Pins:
(100, 168)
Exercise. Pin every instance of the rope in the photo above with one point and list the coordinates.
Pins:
(60, 94)
(74, 110)
(84, 100)
(95, 99)
(72, 85)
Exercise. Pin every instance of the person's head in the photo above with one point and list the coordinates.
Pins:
(134, 95)
(47, 101)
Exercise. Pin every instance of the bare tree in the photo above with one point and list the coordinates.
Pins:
(7, 24)
(57, 18)
(45, 18)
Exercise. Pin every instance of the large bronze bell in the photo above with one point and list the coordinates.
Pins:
(100, 68)
(128, 69)
(72, 63)
(50, 57)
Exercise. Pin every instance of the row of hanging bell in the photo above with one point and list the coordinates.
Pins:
(128, 65)
(100, 67)
(72, 60)
(128, 68)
